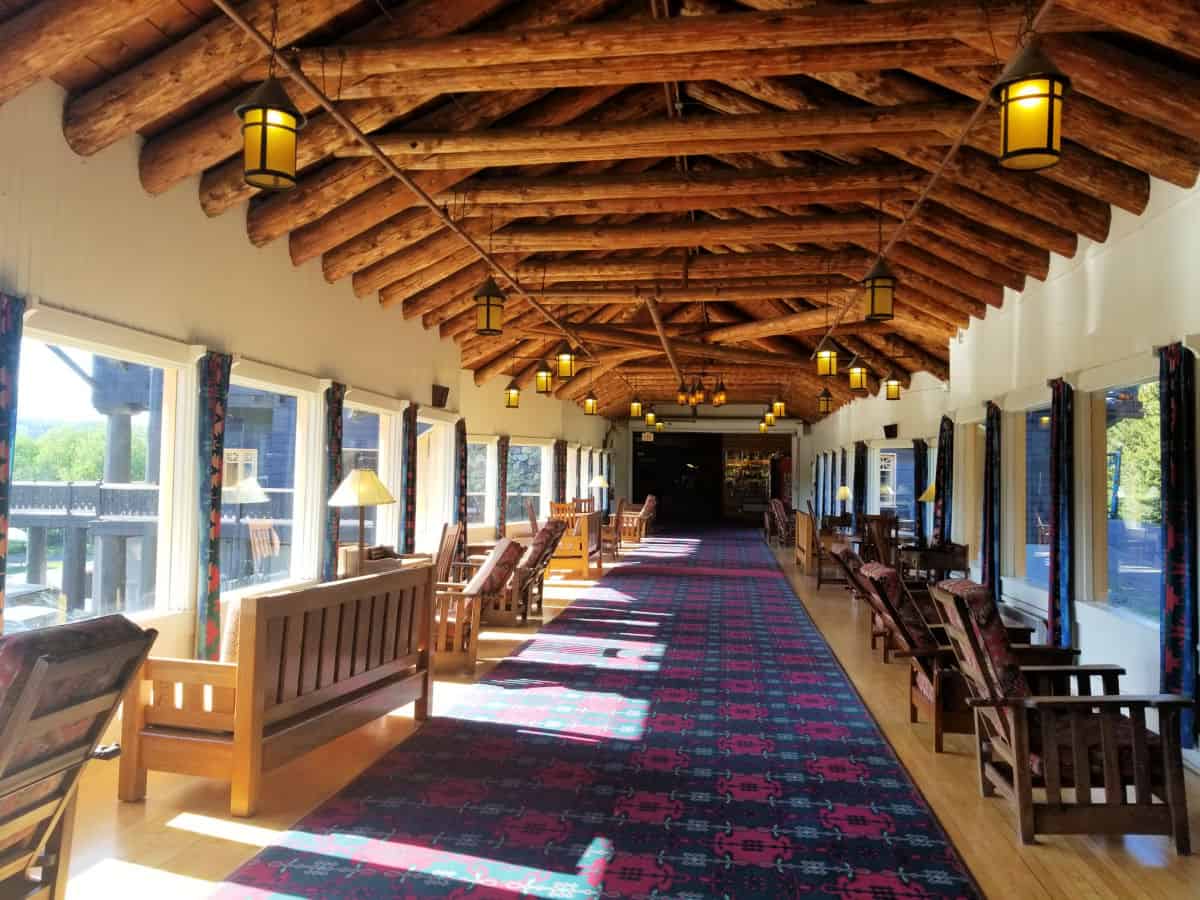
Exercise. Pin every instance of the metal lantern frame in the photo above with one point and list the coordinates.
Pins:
(489, 309)
(824, 402)
(564, 361)
(512, 395)
(257, 131)
(543, 378)
(1013, 87)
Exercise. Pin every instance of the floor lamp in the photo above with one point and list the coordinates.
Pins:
(361, 488)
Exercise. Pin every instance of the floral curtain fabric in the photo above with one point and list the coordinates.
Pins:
(560, 471)
(501, 483)
(335, 396)
(213, 375)
(991, 501)
(408, 463)
(943, 483)
(920, 482)
(12, 321)
(460, 478)
(1061, 610)
(1178, 631)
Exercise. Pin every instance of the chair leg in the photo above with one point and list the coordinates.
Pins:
(982, 757)
(939, 723)
(1022, 778)
(1175, 795)
(913, 718)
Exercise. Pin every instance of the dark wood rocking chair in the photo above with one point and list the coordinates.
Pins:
(59, 690)
(1034, 734)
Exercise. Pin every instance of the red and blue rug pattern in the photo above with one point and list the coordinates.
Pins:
(681, 731)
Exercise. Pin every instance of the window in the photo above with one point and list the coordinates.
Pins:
(435, 477)
(1037, 497)
(896, 487)
(257, 513)
(360, 450)
(1132, 507)
(524, 481)
(478, 506)
(84, 517)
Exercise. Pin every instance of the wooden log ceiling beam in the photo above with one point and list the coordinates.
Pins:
(647, 69)
(214, 135)
(917, 357)
(222, 187)
(1172, 23)
(826, 123)
(603, 363)
(656, 314)
(815, 26)
(44, 37)
(634, 340)
(851, 263)
(185, 70)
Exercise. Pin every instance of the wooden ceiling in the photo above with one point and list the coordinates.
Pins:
(728, 158)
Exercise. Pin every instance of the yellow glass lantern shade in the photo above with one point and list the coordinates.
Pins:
(826, 363)
(270, 123)
(769, 418)
(590, 405)
(762, 427)
(489, 309)
(635, 409)
(879, 293)
(824, 402)
(858, 377)
(651, 418)
(659, 426)
(512, 395)
(779, 408)
(682, 395)
(1030, 92)
(565, 361)
(543, 379)
(720, 395)
(891, 388)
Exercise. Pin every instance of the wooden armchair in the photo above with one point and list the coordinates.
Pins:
(578, 545)
(637, 519)
(585, 505)
(783, 526)
(1033, 734)
(59, 690)
(527, 579)
(610, 532)
(458, 607)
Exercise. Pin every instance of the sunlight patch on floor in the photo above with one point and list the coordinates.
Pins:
(130, 881)
(211, 826)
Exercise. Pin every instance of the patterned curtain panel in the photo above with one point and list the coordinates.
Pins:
(335, 396)
(408, 465)
(859, 500)
(944, 483)
(1061, 613)
(560, 471)
(991, 501)
(12, 320)
(213, 370)
(460, 480)
(501, 482)
(1177, 399)
(920, 482)
(843, 507)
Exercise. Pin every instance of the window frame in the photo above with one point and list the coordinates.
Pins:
(491, 478)
(545, 474)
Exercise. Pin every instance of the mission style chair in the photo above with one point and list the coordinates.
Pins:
(525, 584)
(1033, 734)
(458, 607)
(610, 532)
(59, 690)
(781, 523)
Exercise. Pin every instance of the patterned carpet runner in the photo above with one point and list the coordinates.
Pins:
(681, 731)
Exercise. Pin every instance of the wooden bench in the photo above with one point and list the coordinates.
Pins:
(577, 547)
(311, 665)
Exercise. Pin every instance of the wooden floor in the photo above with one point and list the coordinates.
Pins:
(183, 841)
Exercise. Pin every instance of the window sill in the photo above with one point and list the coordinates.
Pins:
(270, 587)
(1032, 598)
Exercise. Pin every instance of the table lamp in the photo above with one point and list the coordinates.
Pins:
(843, 493)
(929, 495)
(361, 488)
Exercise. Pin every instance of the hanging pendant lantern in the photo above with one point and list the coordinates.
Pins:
(682, 395)
(891, 387)
(824, 402)
(660, 426)
(858, 376)
(635, 409)
(779, 408)
(512, 395)
(879, 292)
(769, 418)
(720, 395)
(543, 378)
(489, 308)
(696, 395)
(270, 124)
(762, 427)
(651, 418)
(827, 362)
(1030, 92)
(590, 404)
(565, 361)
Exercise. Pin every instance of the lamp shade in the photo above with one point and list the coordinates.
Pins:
(543, 378)
(635, 409)
(879, 290)
(769, 418)
(843, 493)
(826, 363)
(598, 481)
(564, 359)
(361, 487)
(858, 377)
(270, 123)
(762, 427)
(651, 417)
(929, 494)
(1030, 92)
(590, 404)
(247, 491)
(489, 308)
(779, 408)
(660, 426)
(891, 387)
(512, 396)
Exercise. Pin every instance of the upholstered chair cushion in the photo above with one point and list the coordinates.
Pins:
(991, 634)
(493, 575)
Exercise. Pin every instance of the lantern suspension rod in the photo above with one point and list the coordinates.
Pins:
(979, 110)
(392, 169)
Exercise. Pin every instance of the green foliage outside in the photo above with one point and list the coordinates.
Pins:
(1139, 497)
(71, 451)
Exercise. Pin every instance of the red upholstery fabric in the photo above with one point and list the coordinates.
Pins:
(910, 617)
(992, 635)
(924, 685)
(493, 575)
